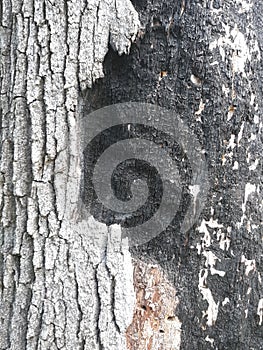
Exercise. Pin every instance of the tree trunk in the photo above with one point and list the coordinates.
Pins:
(69, 281)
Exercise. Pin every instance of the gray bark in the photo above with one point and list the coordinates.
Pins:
(68, 282)
(57, 289)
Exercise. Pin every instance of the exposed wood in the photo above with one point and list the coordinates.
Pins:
(154, 324)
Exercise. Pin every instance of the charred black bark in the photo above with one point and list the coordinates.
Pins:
(174, 65)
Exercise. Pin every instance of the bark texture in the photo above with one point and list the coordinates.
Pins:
(57, 274)
(67, 282)
(203, 59)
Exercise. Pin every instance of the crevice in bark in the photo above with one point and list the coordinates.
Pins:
(80, 317)
(98, 313)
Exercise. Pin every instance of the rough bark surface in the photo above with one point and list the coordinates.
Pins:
(58, 285)
(203, 59)
(66, 282)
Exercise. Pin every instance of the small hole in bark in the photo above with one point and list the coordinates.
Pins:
(143, 307)
(171, 318)
(161, 331)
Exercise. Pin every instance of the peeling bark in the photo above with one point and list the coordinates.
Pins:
(154, 324)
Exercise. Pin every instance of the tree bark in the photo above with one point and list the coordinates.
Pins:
(71, 282)
(57, 289)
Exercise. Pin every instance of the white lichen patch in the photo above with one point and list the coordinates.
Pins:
(230, 145)
(210, 340)
(231, 142)
(260, 311)
(237, 50)
(240, 134)
(224, 240)
(211, 260)
(225, 301)
(249, 264)
(244, 5)
(254, 165)
(249, 189)
(212, 311)
(206, 239)
(200, 110)
(203, 228)
(236, 165)
(236, 41)
(209, 266)
(256, 119)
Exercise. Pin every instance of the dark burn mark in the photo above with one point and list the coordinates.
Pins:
(130, 170)
(178, 43)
